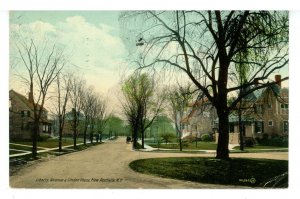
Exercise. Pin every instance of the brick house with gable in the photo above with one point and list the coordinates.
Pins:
(200, 120)
(267, 113)
(21, 113)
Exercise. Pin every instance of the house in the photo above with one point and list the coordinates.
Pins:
(21, 119)
(200, 120)
(263, 112)
(68, 129)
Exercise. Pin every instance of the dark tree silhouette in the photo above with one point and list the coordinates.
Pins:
(42, 64)
(142, 103)
(206, 45)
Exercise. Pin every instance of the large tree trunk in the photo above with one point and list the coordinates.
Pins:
(241, 131)
(179, 138)
(223, 139)
(84, 133)
(60, 134)
(142, 128)
(180, 143)
(91, 136)
(143, 139)
(74, 138)
(35, 133)
(135, 136)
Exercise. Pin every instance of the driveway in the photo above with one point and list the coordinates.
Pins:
(106, 166)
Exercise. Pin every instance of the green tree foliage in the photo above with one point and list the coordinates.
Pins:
(206, 46)
(141, 103)
(116, 125)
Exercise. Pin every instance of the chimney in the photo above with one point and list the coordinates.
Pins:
(30, 97)
(278, 80)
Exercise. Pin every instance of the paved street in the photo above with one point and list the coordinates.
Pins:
(106, 166)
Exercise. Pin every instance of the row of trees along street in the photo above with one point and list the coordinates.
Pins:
(142, 103)
(45, 74)
(223, 54)
(212, 48)
(88, 109)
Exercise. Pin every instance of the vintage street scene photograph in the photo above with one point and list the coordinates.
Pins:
(150, 99)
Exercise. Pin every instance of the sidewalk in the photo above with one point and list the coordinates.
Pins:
(230, 147)
(149, 148)
(44, 149)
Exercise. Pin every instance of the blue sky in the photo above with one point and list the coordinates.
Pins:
(53, 17)
(90, 38)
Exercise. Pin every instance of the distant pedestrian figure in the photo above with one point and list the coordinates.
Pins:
(128, 139)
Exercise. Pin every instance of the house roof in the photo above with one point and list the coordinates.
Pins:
(70, 116)
(282, 93)
(24, 100)
(195, 107)
(235, 118)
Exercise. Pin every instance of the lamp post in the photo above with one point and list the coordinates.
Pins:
(157, 138)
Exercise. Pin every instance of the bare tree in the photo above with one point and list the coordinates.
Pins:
(93, 115)
(178, 98)
(42, 64)
(76, 96)
(87, 102)
(63, 91)
(205, 45)
(101, 118)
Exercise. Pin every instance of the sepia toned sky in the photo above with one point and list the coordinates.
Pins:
(90, 40)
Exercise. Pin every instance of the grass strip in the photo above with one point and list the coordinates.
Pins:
(236, 171)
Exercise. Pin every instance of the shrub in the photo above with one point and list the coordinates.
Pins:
(138, 146)
(279, 141)
(43, 137)
(249, 143)
(265, 136)
(189, 138)
(185, 143)
(206, 137)
(168, 137)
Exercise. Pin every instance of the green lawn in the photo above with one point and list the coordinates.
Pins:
(25, 148)
(12, 152)
(51, 143)
(209, 146)
(259, 147)
(200, 145)
(237, 171)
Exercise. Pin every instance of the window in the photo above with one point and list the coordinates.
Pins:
(285, 126)
(231, 128)
(44, 114)
(270, 122)
(25, 113)
(259, 127)
(258, 109)
(284, 108)
(45, 128)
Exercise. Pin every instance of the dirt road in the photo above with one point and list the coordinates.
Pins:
(106, 166)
